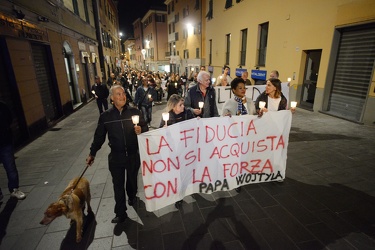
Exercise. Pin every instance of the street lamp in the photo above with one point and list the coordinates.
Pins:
(143, 51)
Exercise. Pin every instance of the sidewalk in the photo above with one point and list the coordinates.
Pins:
(327, 200)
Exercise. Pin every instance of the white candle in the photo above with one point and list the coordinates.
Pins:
(293, 105)
(289, 79)
(165, 117)
(135, 119)
(201, 104)
(262, 105)
(175, 84)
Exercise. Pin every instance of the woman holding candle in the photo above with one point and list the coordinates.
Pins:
(273, 98)
(239, 104)
(176, 113)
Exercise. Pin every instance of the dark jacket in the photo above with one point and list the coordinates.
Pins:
(5, 122)
(120, 128)
(264, 97)
(173, 118)
(141, 97)
(100, 90)
(195, 96)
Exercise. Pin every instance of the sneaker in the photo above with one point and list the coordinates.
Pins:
(18, 194)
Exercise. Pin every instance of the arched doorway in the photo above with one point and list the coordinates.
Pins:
(71, 74)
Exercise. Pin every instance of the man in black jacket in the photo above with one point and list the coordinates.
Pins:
(100, 92)
(122, 136)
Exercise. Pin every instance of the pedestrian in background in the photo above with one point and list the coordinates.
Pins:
(245, 76)
(7, 153)
(124, 156)
(144, 96)
(100, 92)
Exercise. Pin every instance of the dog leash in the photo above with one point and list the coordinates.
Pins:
(80, 177)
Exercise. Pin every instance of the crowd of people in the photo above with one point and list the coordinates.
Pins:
(187, 98)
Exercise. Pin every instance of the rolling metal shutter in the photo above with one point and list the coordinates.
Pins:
(353, 72)
(43, 75)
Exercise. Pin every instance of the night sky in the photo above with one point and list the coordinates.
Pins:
(130, 10)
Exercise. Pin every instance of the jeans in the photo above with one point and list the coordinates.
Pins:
(7, 158)
(147, 113)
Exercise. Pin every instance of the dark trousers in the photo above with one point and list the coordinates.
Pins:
(102, 103)
(7, 158)
(118, 163)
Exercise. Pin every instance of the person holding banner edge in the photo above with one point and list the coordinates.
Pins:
(123, 141)
(273, 98)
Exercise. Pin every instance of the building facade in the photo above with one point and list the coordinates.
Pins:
(185, 35)
(328, 59)
(49, 57)
(108, 37)
(155, 42)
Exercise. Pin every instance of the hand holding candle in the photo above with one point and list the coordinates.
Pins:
(262, 105)
(135, 119)
(293, 106)
(201, 104)
(165, 117)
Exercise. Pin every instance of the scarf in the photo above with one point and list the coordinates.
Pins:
(241, 109)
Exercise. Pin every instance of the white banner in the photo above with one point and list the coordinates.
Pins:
(212, 154)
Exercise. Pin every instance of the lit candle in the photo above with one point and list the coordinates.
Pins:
(165, 117)
(293, 105)
(201, 104)
(213, 80)
(289, 79)
(149, 96)
(135, 119)
(175, 84)
(93, 92)
(262, 105)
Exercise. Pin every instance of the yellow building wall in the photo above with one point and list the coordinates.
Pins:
(23, 66)
(294, 26)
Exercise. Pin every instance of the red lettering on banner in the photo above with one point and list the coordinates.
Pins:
(229, 130)
(162, 143)
(254, 166)
(160, 166)
(191, 157)
(251, 127)
(281, 142)
(185, 135)
(161, 189)
(206, 174)
(261, 145)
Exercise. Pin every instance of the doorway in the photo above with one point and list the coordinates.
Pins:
(310, 78)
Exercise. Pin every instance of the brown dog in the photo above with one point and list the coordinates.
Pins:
(71, 204)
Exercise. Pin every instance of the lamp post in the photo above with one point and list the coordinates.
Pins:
(143, 51)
